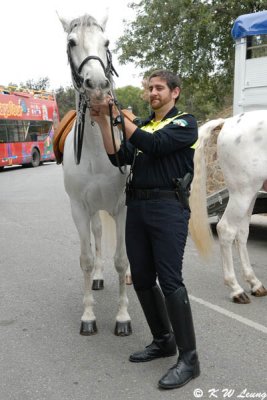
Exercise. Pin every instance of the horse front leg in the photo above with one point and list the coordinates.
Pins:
(98, 280)
(123, 325)
(82, 222)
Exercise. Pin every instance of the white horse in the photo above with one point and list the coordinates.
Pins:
(242, 156)
(93, 184)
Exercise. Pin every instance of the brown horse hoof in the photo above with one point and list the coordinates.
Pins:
(128, 280)
(88, 328)
(241, 298)
(260, 292)
(123, 328)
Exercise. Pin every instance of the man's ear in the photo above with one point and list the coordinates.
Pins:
(176, 92)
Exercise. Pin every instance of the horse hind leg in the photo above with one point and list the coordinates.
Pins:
(82, 222)
(257, 288)
(123, 325)
(227, 229)
(98, 280)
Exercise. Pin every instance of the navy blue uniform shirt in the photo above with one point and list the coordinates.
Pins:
(163, 155)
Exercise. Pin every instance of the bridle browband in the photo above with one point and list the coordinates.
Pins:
(84, 102)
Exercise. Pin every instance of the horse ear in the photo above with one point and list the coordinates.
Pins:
(64, 21)
(103, 21)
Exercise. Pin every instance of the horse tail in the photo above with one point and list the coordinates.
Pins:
(198, 225)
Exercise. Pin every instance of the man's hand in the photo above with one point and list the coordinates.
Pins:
(101, 109)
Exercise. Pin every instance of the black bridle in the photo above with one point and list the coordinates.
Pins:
(84, 102)
(76, 72)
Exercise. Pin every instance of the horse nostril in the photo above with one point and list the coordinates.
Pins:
(89, 83)
(105, 84)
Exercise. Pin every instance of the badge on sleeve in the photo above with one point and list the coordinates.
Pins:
(180, 122)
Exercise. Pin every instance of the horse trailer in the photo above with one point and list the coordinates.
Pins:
(250, 78)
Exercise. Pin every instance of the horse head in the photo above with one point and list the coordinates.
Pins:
(89, 56)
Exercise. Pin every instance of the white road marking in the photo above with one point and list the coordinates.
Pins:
(230, 314)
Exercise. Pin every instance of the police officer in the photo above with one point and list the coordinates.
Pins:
(160, 153)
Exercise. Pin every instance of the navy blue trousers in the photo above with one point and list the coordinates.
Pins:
(156, 233)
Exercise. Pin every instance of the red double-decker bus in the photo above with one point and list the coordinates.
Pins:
(27, 122)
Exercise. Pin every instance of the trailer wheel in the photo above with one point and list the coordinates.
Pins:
(35, 158)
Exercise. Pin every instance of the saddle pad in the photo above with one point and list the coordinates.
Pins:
(61, 133)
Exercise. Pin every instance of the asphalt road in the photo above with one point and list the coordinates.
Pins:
(42, 355)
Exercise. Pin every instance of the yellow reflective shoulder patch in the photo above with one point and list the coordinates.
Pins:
(153, 126)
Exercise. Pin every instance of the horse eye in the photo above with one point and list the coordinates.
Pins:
(72, 43)
(106, 43)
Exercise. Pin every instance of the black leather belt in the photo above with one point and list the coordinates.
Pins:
(151, 194)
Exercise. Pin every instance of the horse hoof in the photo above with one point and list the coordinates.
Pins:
(88, 328)
(98, 284)
(123, 328)
(241, 298)
(128, 280)
(260, 292)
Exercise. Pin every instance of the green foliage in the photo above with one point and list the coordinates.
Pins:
(40, 84)
(65, 100)
(130, 96)
(189, 37)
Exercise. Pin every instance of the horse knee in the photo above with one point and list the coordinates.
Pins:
(121, 264)
(87, 263)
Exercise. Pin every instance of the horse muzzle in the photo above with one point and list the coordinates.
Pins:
(97, 89)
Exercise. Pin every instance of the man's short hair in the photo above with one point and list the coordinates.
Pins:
(173, 81)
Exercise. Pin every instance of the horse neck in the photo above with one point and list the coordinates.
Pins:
(92, 140)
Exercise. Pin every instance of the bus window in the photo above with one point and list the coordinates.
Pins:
(14, 134)
(38, 130)
(3, 132)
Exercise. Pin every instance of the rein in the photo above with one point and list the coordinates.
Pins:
(113, 136)
(84, 103)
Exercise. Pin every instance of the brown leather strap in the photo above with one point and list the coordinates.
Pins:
(61, 133)
(129, 115)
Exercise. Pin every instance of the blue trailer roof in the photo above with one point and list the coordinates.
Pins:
(250, 24)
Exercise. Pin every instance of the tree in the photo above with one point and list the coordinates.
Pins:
(130, 96)
(40, 84)
(189, 37)
(65, 100)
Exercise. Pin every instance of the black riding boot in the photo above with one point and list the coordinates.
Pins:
(163, 345)
(187, 366)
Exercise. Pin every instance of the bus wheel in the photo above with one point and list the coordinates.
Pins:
(35, 158)
(1, 168)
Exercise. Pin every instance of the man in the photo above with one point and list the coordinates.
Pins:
(160, 153)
